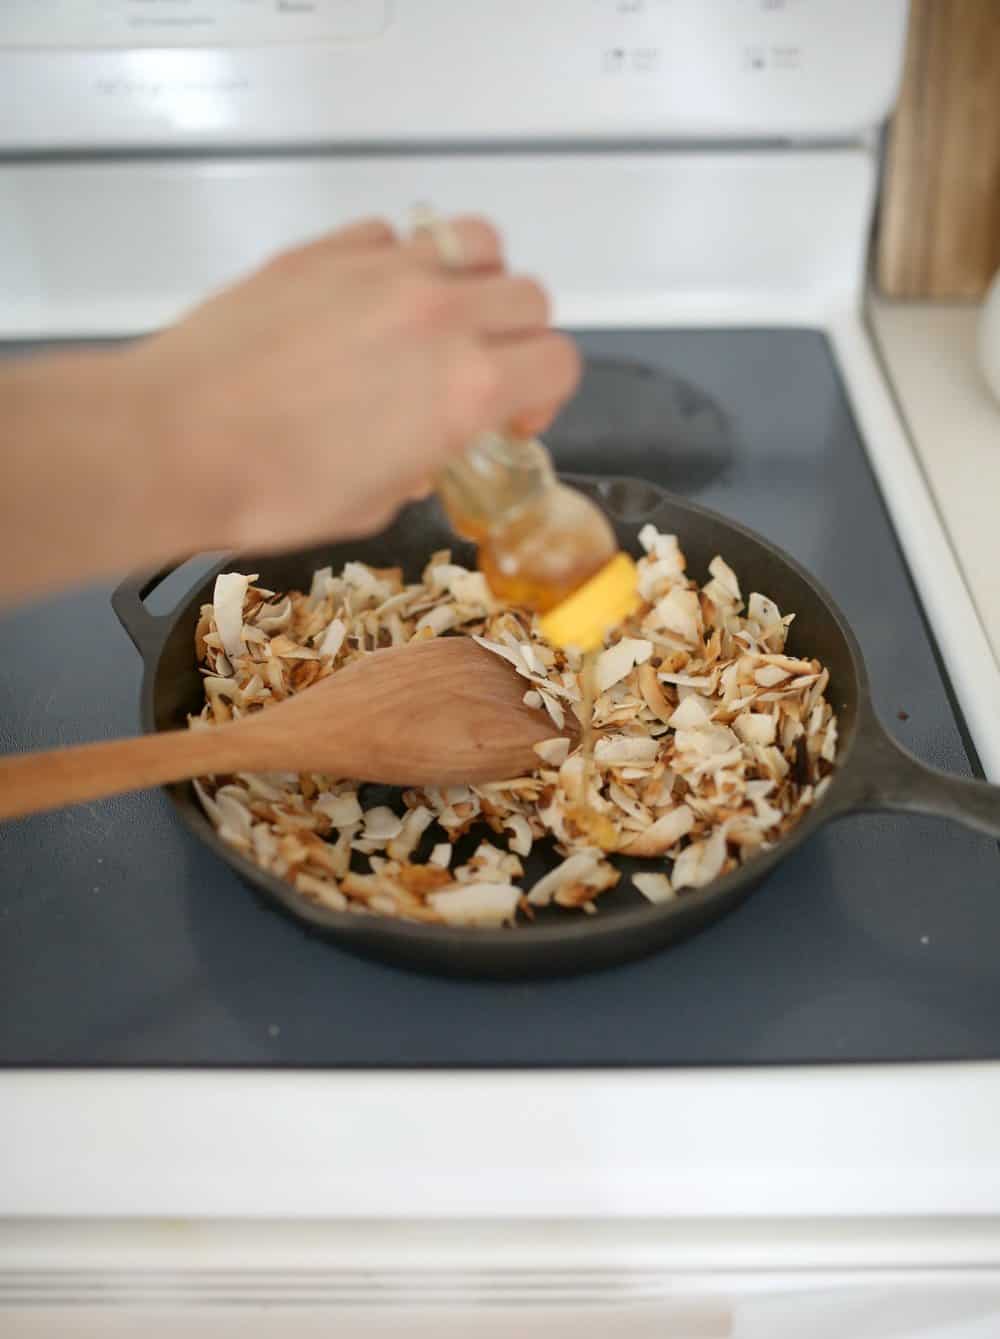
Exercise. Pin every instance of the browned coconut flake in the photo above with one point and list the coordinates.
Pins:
(711, 742)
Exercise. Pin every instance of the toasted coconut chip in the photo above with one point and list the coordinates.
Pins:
(829, 750)
(694, 711)
(628, 804)
(439, 620)
(655, 887)
(680, 612)
(702, 683)
(614, 750)
(522, 838)
(663, 835)
(512, 656)
(766, 814)
(283, 646)
(472, 588)
(653, 694)
(321, 891)
(265, 844)
(573, 870)
(701, 862)
(553, 751)
(725, 580)
(442, 576)
(764, 612)
(755, 728)
(656, 577)
(709, 731)
(581, 892)
(618, 661)
(769, 675)
(413, 827)
(274, 617)
(489, 865)
(662, 548)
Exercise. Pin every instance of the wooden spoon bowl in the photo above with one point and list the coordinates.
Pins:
(441, 712)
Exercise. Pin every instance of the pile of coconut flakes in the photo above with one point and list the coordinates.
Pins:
(711, 742)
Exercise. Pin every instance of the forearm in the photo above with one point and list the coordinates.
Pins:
(89, 485)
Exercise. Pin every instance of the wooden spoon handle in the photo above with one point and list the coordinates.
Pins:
(32, 782)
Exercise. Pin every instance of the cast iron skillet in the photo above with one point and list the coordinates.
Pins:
(873, 771)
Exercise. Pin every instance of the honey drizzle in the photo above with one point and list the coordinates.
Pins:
(597, 827)
(588, 692)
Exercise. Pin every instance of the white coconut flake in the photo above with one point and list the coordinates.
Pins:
(554, 709)
(701, 862)
(504, 652)
(227, 601)
(484, 904)
(680, 612)
(693, 712)
(763, 611)
(619, 660)
(322, 580)
(333, 638)
(829, 750)
(439, 620)
(554, 752)
(575, 869)
(441, 855)
(414, 825)
(654, 887)
(342, 810)
(753, 727)
(662, 835)
(324, 892)
(274, 618)
(521, 839)
(381, 824)
(614, 750)
(471, 588)
(726, 579)
(770, 675)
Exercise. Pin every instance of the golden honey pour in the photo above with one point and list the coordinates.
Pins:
(545, 547)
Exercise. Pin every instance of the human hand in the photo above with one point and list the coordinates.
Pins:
(314, 397)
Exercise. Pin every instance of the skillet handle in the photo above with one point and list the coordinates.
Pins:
(891, 778)
(147, 631)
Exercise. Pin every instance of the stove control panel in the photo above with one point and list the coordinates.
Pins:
(189, 23)
(202, 73)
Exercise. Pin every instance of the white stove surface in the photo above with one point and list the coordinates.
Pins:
(930, 354)
(886, 1178)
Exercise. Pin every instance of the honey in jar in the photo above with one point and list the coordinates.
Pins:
(546, 547)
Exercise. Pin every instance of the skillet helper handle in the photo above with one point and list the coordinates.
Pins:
(147, 631)
(891, 778)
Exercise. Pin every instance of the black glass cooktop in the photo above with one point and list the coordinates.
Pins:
(123, 942)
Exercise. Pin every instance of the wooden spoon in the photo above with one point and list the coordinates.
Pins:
(441, 712)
